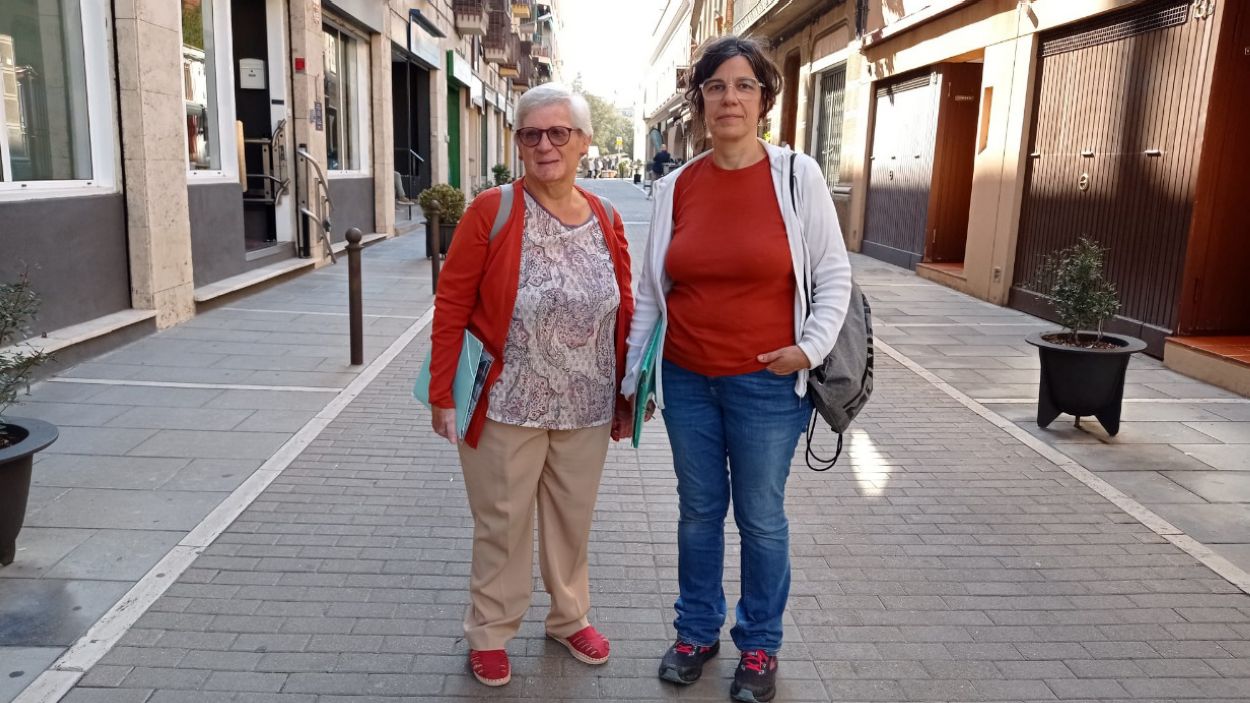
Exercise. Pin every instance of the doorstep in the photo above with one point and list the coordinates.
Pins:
(74, 335)
(1220, 361)
(248, 279)
(950, 275)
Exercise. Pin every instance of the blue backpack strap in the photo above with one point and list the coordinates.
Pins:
(506, 197)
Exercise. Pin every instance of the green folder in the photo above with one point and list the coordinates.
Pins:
(646, 379)
(466, 390)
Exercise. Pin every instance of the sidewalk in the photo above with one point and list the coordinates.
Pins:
(951, 555)
(156, 435)
(1183, 450)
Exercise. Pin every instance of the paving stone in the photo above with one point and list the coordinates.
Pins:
(1230, 457)
(115, 555)
(220, 475)
(1209, 523)
(52, 612)
(89, 471)
(1133, 457)
(1152, 487)
(71, 414)
(20, 665)
(128, 510)
(97, 440)
(180, 418)
(1215, 486)
(108, 695)
(211, 445)
(40, 548)
(148, 396)
(1229, 432)
(270, 400)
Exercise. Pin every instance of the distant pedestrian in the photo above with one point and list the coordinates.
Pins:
(724, 274)
(657, 163)
(549, 297)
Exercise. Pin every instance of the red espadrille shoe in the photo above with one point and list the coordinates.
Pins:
(586, 645)
(490, 666)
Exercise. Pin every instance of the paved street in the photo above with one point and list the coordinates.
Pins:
(299, 534)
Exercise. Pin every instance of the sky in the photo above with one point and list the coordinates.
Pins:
(608, 42)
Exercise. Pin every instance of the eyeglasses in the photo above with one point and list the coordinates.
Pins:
(558, 136)
(715, 89)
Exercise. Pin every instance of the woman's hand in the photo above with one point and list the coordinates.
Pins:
(622, 420)
(444, 423)
(785, 360)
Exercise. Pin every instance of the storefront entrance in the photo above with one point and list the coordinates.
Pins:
(261, 112)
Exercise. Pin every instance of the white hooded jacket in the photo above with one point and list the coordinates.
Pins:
(817, 253)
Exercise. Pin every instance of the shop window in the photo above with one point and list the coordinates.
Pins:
(344, 62)
(44, 110)
(199, 84)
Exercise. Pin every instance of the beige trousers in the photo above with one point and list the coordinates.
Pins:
(512, 469)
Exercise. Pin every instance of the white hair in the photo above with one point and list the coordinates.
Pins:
(547, 94)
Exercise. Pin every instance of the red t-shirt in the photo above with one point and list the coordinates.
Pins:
(733, 283)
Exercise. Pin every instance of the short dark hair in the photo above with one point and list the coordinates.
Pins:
(719, 50)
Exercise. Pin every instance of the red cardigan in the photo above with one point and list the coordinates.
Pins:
(477, 291)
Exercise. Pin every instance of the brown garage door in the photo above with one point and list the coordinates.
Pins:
(903, 137)
(1114, 154)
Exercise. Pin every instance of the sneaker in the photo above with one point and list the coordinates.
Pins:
(586, 645)
(755, 679)
(490, 666)
(683, 662)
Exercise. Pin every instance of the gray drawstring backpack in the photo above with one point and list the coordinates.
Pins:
(840, 386)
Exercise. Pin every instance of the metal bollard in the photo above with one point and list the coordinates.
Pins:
(434, 239)
(355, 303)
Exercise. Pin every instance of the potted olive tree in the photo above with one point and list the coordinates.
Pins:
(1082, 367)
(20, 438)
(447, 203)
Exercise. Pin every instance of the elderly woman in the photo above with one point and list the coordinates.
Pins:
(549, 297)
(736, 235)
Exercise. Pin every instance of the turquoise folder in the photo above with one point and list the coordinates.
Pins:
(466, 390)
(646, 380)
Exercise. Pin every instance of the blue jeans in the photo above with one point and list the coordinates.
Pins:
(732, 436)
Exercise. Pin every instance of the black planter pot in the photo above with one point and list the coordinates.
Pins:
(1080, 381)
(15, 464)
(445, 231)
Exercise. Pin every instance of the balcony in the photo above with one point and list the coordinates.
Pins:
(541, 54)
(525, 74)
(471, 17)
(522, 9)
(498, 31)
(764, 18)
(508, 68)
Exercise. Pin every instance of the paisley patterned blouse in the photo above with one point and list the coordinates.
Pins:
(559, 369)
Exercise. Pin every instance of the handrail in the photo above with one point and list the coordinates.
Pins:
(409, 152)
(414, 167)
(322, 198)
(277, 151)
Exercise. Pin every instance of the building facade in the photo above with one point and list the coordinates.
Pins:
(969, 139)
(160, 154)
(1046, 121)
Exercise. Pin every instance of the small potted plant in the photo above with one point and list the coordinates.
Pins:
(20, 438)
(501, 174)
(447, 203)
(1082, 367)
